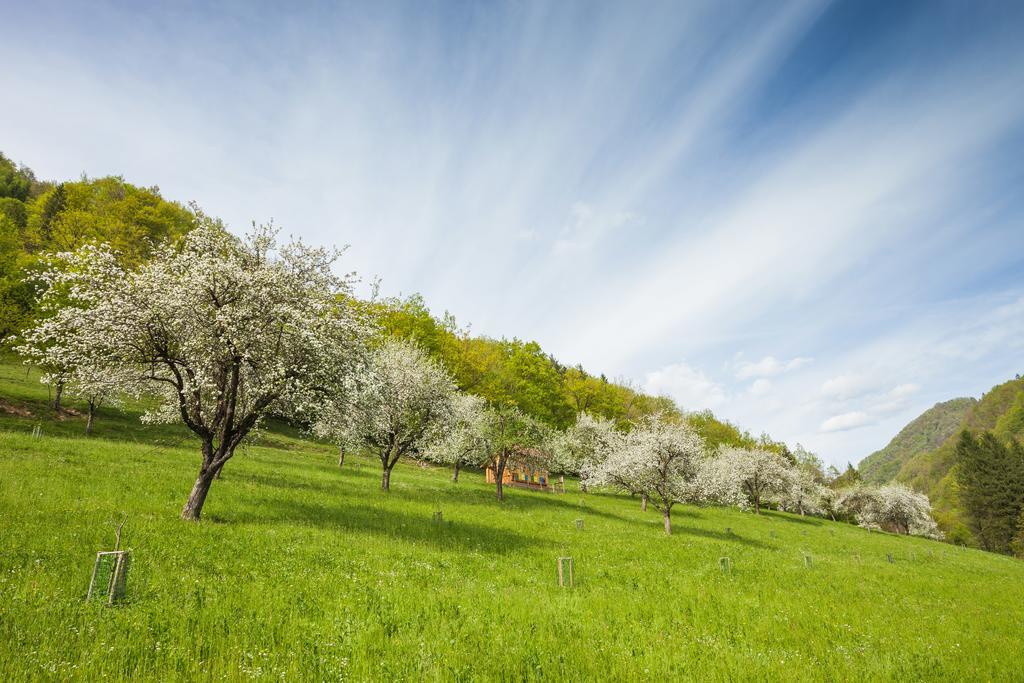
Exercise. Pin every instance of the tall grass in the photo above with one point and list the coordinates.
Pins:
(300, 570)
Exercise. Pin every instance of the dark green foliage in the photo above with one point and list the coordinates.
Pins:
(848, 478)
(15, 182)
(14, 211)
(1017, 546)
(991, 478)
(923, 434)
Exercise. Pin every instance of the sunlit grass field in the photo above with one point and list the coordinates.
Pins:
(302, 571)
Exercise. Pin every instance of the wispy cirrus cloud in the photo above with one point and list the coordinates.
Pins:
(794, 180)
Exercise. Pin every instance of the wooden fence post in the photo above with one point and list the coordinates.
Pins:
(565, 571)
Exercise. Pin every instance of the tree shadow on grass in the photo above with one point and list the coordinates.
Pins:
(520, 500)
(451, 534)
(284, 482)
(795, 519)
(718, 536)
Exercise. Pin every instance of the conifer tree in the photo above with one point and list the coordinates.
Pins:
(991, 478)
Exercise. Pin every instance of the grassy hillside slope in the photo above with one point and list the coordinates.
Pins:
(925, 433)
(1002, 410)
(302, 571)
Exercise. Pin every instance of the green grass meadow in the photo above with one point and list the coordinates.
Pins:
(302, 571)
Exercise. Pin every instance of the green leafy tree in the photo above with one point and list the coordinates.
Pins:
(15, 182)
(990, 474)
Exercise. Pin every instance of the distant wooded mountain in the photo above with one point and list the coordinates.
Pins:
(925, 433)
(914, 459)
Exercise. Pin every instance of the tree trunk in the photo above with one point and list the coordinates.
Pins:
(194, 506)
(385, 480)
(643, 503)
(58, 392)
(499, 472)
(757, 503)
(92, 415)
(668, 521)
(455, 473)
(341, 456)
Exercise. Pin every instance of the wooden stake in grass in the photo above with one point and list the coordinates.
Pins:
(726, 565)
(438, 517)
(807, 560)
(109, 576)
(565, 572)
(579, 524)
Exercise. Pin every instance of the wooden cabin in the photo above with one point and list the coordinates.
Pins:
(521, 476)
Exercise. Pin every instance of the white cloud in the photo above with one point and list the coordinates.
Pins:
(760, 387)
(846, 421)
(690, 387)
(894, 400)
(904, 390)
(845, 387)
(769, 366)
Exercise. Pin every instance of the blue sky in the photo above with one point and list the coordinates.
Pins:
(807, 217)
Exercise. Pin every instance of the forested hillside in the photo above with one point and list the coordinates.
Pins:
(39, 217)
(925, 433)
(1000, 412)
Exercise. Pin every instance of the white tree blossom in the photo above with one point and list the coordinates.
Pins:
(583, 447)
(745, 477)
(893, 507)
(395, 406)
(660, 459)
(221, 330)
(463, 440)
(804, 493)
(69, 360)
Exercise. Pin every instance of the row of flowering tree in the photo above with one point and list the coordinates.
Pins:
(221, 332)
(662, 460)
